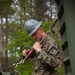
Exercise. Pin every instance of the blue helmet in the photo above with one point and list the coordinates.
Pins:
(32, 25)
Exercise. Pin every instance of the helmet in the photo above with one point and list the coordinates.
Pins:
(32, 25)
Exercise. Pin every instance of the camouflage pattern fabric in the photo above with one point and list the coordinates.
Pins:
(48, 60)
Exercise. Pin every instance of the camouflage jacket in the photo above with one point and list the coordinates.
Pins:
(47, 61)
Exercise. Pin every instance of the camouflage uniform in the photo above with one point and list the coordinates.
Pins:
(48, 59)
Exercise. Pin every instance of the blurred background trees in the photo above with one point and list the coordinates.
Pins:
(13, 37)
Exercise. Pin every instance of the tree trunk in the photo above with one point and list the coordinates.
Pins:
(6, 43)
(0, 44)
(42, 9)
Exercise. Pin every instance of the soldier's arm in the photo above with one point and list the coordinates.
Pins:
(52, 57)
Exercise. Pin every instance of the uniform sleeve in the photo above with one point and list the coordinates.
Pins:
(52, 56)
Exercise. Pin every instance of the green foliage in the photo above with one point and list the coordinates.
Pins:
(21, 41)
(26, 68)
(5, 8)
(61, 71)
(14, 29)
(47, 26)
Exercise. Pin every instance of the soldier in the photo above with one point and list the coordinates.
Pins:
(47, 55)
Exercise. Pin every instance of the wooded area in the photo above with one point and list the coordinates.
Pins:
(13, 37)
